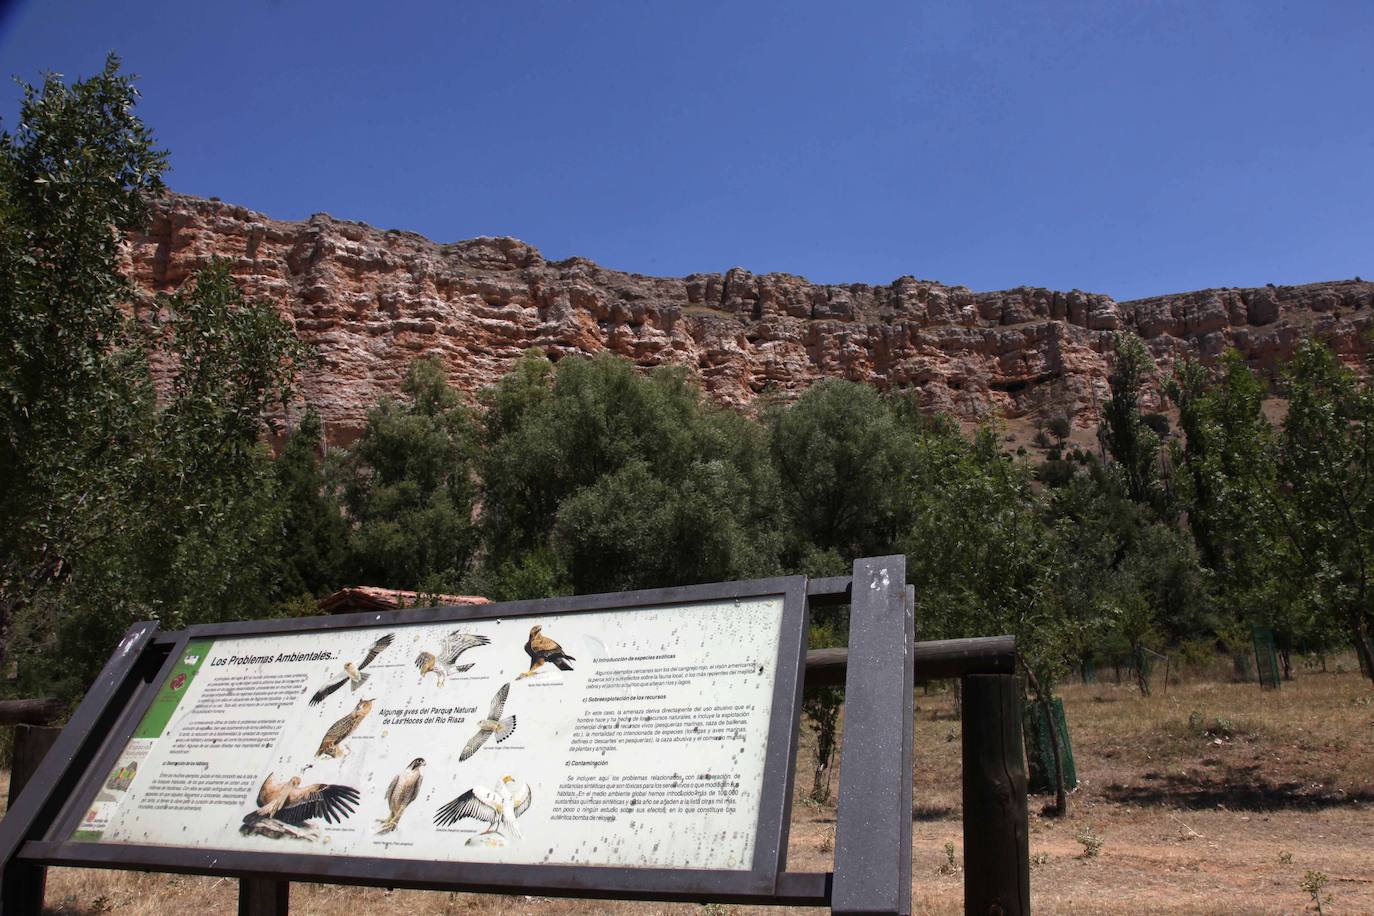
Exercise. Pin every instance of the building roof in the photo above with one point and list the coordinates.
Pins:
(361, 598)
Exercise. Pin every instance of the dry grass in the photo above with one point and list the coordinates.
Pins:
(1194, 816)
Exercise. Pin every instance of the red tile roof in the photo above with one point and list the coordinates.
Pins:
(359, 598)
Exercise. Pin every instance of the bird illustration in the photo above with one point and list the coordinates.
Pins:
(402, 791)
(332, 743)
(541, 648)
(285, 807)
(499, 807)
(443, 664)
(276, 830)
(493, 724)
(353, 674)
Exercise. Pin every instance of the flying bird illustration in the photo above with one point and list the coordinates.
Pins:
(499, 807)
(402, 791)
(444, 663)
(285, 807)
(493, 724)
(332, 743)
(353, 674)
(541, 649)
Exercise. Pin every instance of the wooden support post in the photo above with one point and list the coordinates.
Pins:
(31, 743)
(263, 897)
(28, 882)
(996, 838)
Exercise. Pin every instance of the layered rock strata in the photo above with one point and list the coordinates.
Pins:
(371, 301)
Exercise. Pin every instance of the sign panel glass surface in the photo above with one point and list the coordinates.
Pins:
(627, 737)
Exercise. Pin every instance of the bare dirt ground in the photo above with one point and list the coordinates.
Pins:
(1211, 798)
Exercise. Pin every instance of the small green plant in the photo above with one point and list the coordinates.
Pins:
(714, 909)
(1040, 858)
(1221, 727)
(1313, 882)
(1195, 720)
(103, 903)
(1285, 858)
(1092, 843)
(950, 866)
(828, 840)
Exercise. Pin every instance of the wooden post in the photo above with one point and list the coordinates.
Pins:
(996, 838)
(31, 744)
(263, 897)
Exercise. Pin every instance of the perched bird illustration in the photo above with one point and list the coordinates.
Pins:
(353, 674)
(277, 830)
(499, 807)
(493, 724)
(402, 791)
(332, 744)
(285, 807)
(444, 663)
(541, 649)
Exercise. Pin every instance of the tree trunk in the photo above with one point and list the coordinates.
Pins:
(1364, 653)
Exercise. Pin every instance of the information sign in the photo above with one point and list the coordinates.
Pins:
(634, 736)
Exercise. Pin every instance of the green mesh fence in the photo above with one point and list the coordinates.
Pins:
(1266, 659)
(1040, 752)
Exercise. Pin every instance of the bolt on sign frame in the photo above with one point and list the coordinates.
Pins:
(872, 872)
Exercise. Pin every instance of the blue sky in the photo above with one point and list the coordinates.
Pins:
(1126, 148)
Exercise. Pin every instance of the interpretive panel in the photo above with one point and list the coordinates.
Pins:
(626, 737)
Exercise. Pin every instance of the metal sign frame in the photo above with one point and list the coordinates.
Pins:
(872, 869)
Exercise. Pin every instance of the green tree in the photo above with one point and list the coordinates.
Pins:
(1326, 456)
(1229, 486)
(1130, 442)
(595, 478)
(198, 529)
(74, 392)
(841, 453)
(313, 533)
(409, 487)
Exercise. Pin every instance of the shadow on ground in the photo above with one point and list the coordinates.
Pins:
(1237, 788)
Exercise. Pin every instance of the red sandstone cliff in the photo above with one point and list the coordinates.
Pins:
(372, 300)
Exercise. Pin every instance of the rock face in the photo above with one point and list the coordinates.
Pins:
(371, 301)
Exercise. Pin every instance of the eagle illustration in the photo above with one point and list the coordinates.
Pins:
(493, 724)
(541, 649)
(285, 807)
(400, 793)
(499, 807)
(353, 674)
(332, 743)
(444, 662)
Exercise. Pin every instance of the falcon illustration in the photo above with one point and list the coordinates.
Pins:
(332, 744)
(402, 791)
(493, 724)
(353, 674)
(285, 807)
(499, 807)
(541, 649)
(444, 663)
